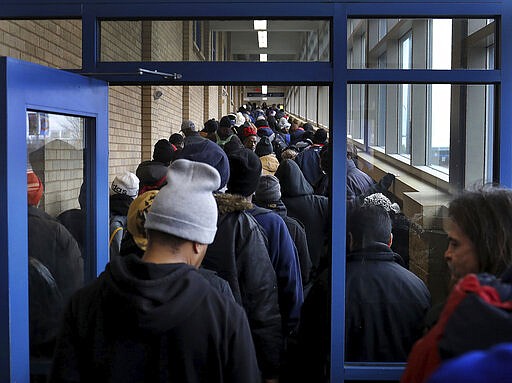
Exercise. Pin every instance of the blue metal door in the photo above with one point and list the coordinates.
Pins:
(29, 94)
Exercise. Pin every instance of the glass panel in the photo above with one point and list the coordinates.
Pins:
(436, 43)
(215, 40)
(53, 43)
(356, 112)
(56, 222)
(450, 149)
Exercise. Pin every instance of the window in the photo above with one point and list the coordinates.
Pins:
(197, 34)
(404, 96)
(425, 128)
(439, 96)
(214, 47)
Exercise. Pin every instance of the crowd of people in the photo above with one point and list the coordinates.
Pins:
(219, 267)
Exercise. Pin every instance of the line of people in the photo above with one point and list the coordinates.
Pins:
(220, 259)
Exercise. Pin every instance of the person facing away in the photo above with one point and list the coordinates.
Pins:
(265, 152)
(309, 209)
(75, 219)
(245, 171)
(240, 256)
(309, 159)
(268, 196)
(153, 174)
(385, 303)
(123, 190)
(55, 256)
(156, 318)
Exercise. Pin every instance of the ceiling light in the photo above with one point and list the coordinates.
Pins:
(260, 25)
(262, 39)
(263, 57)
(264, 99)
(264, 89)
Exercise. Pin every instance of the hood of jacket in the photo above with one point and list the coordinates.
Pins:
(152, 297)
(276, 206)
(269, 164)
(119, 204)
(292, 181)
(230, 203)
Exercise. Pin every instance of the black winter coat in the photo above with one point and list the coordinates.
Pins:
(239, 255)
(310, 209)
(385, 306)
(52, 244)
(144, 322)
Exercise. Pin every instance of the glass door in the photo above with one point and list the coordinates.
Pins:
(54, 149)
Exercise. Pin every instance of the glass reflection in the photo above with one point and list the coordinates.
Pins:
(215, 40)
(436, 43)
(55, 174)
(449, 135)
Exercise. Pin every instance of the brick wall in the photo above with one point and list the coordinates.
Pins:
(136, 119)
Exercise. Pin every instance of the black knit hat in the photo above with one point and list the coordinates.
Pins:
(163, 151)
(261, 123)
(225, 122)
(308, 127)
(245, 169)
(211, 126)
(320, 137)
(264, 147)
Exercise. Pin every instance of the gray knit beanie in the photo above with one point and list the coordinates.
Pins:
(185, 207)
(269, 189)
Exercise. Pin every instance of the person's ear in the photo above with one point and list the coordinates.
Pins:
(199, 253)
(390, 242)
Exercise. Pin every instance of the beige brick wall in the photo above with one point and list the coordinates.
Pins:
(196, 97)
(121, 40)
(125, 129)
(136, 119)
(167, 41)
(54, 43)
(213, 101)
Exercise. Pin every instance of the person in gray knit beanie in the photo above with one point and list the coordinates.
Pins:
(269, 189)
(185, 207)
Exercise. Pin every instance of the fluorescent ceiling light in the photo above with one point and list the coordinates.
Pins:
(260, 25)
(264, 99)
(263, 57)
(264, 89)
(262, 39)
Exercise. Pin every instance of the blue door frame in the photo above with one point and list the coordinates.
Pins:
(31, 86)
(335, 74)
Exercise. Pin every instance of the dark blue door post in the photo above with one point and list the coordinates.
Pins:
(26, 86)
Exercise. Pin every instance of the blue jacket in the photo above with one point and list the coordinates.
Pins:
(309, 163)
(284, 258)
(358, 182)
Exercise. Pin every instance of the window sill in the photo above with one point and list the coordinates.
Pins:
(418, 191)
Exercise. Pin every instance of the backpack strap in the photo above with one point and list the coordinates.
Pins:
(112, 236)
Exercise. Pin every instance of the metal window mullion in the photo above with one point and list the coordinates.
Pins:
(423, 76)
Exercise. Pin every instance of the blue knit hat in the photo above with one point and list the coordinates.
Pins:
(210, 153)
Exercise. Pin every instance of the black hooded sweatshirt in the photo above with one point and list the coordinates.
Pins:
(309, 209)
(145, 322)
